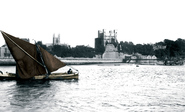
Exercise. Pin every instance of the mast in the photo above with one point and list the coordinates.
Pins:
(41, 57)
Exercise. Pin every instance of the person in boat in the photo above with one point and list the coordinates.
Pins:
(69, 71)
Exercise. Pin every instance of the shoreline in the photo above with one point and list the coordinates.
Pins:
(88, 61)
(82, 61)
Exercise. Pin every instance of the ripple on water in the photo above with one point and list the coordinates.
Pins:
(101, 88)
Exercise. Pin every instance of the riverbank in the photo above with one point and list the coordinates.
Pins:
(7, 61)
(68, 61)
(86, 61)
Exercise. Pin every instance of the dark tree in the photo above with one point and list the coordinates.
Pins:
(126, 47)
(83, 51)
(57, 50)
(172, 49)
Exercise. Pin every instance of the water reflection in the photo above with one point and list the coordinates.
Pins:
(32, 83)
(27, 94)
(40, 95)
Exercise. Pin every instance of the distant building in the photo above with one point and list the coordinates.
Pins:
(56, 40)
(106, 44)
(111, 52)
(105, 38)
(4, 51)
(157, 47)
(26, 39)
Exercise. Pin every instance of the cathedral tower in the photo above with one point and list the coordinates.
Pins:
(56, 40)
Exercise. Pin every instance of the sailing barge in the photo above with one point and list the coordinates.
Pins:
(33, 62)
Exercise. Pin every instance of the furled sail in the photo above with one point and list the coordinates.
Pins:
(27, 60)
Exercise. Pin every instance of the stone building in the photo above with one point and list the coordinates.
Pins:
(105, 38)
(111, 52)
(106, 44)
(4, 51)
(56, 40)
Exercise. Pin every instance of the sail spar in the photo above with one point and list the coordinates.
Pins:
(27, 60)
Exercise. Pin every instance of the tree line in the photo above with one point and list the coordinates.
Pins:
(67, 51)
(173, 49)
(166, 49)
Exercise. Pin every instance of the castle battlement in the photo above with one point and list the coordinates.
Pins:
(108, 37)
(106, 44)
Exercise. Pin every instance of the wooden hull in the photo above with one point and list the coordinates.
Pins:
(53, 76)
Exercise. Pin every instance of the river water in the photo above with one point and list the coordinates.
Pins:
(100, 88)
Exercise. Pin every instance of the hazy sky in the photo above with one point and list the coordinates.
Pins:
(78, 21)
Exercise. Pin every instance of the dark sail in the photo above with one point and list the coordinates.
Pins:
(51, 62)
(27, 62)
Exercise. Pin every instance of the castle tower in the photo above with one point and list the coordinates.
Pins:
(105, 38)
(115, 35)
(56, 40)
